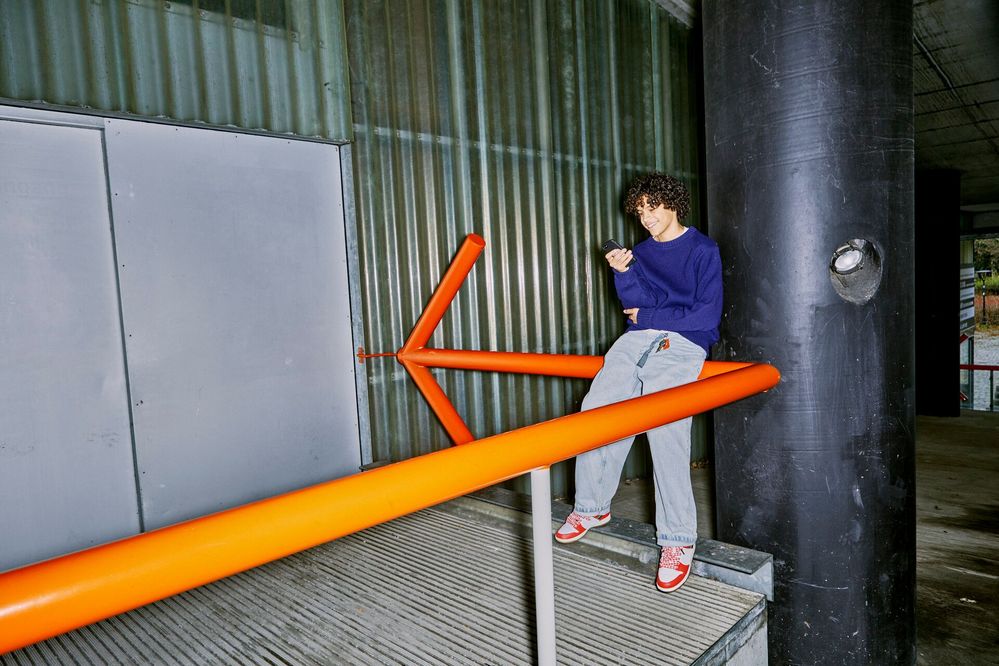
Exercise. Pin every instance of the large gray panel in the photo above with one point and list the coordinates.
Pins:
(67, 479)
(233, 275)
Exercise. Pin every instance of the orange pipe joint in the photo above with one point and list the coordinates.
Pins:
(439, 402)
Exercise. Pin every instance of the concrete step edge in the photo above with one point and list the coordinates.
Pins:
(740, 567)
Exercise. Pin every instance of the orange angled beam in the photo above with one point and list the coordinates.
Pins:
(445, 292)
(58, 595)
(558, 365)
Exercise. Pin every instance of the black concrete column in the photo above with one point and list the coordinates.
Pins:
(809, 138)
(938, 306)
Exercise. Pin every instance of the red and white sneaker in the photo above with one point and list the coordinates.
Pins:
(674, 567)
(577, 525)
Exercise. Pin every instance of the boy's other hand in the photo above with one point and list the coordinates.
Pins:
(632, 315)
(619, 259)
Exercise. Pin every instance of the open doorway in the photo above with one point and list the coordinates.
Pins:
(980, 336)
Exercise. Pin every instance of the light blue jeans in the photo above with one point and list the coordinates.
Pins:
(639, 363)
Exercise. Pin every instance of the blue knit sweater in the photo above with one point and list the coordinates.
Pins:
(676, 286)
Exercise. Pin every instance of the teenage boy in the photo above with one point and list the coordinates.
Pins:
(672, 297)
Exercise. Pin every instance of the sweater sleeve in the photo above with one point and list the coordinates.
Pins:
(633, 288)
(704, 314)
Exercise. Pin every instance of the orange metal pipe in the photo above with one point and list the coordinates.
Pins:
(55, 596)
(715, 368)
(559, 365)
(445, 292)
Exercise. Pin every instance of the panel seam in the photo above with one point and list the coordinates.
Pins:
(121, 327)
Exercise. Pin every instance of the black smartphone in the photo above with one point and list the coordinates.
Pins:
(611, 244)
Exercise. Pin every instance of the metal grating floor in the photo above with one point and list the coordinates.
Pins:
(430, 588)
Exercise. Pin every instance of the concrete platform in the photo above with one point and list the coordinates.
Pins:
(438, 587)
(957, 539)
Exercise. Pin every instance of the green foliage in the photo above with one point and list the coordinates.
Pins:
(987, 255)
(991, 284)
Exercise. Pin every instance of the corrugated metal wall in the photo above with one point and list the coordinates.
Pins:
(271, 65)
(520, 121)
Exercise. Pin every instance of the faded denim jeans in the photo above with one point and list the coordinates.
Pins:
(639, 363)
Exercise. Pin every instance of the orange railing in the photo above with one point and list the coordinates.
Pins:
(55, 596)
(991, 369)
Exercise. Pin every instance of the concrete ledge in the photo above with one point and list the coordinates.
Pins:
(748, 646)
(740, 567)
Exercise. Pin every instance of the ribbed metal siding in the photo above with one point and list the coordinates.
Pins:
(273, 65)
(520, 121)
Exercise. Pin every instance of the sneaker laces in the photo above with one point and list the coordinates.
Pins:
(575, 519)
(670, 557)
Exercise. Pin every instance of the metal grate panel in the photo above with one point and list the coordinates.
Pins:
(429, 588)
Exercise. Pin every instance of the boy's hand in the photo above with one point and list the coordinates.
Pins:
(632, 315)
(619, 259)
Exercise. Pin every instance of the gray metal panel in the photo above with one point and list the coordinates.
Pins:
(233, 272)
(67, 479)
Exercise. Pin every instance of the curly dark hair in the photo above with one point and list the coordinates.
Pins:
(658, 188)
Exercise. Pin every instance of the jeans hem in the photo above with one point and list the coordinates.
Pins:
(675, 540)
(591, 512)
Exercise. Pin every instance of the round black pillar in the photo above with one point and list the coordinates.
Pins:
(809, 137)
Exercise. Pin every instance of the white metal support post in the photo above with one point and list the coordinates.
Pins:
(544, 582)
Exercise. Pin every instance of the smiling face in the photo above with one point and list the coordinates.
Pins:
(661, 222)
(659, 201)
